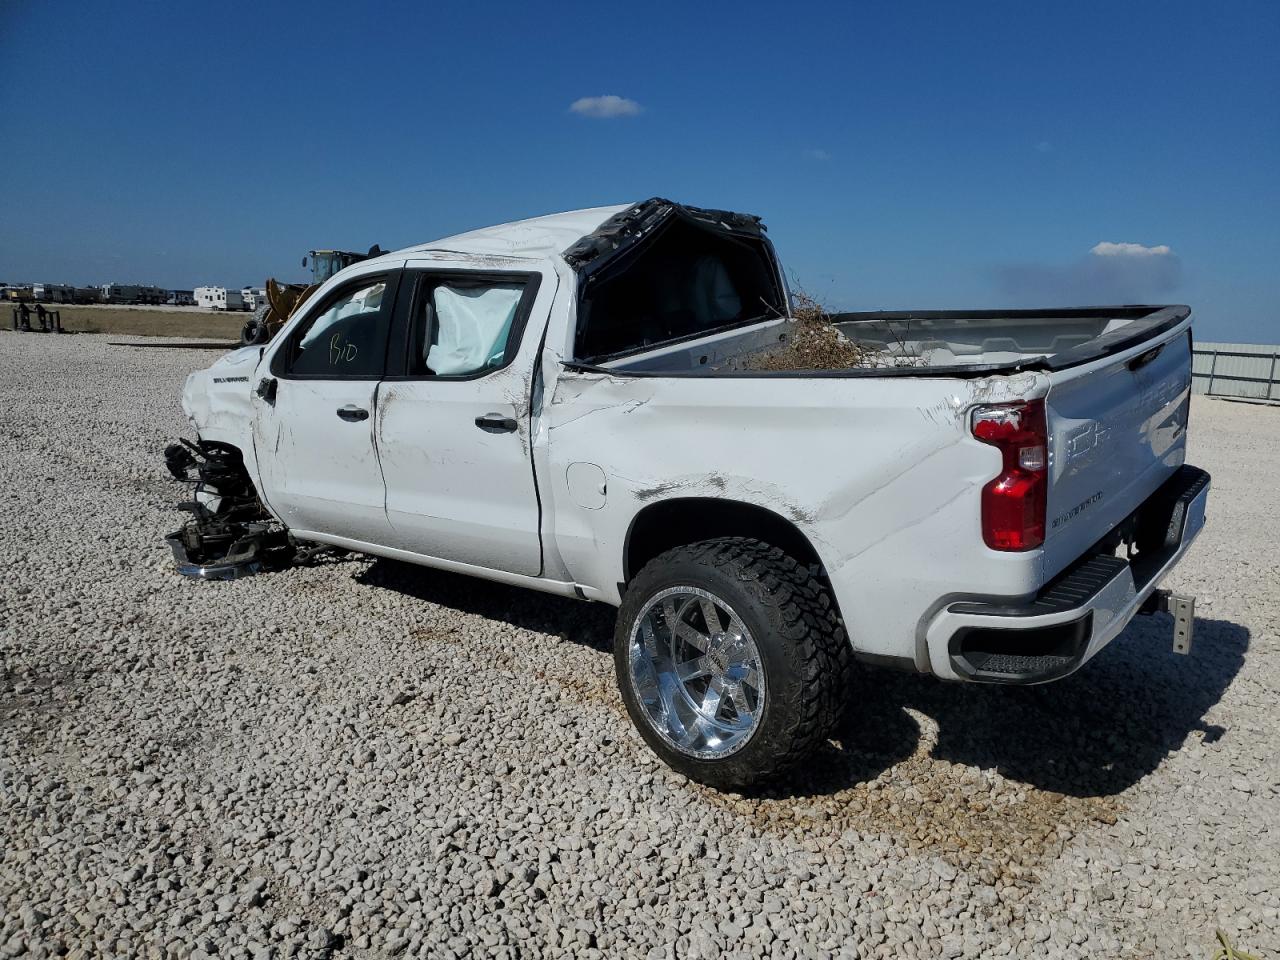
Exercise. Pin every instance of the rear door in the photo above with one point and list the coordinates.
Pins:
(453, 425)
(314, 437)
(1117, 431)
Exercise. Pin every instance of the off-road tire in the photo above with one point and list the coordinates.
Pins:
(807, 661)
(255, 330)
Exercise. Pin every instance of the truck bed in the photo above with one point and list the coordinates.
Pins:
(929, 343)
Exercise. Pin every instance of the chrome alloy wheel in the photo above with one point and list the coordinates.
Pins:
(696, 672)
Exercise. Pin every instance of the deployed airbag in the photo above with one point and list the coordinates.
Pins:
(471, 326)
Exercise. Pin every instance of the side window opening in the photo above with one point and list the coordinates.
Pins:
(347, 338)
(463, 327)
(687, 281)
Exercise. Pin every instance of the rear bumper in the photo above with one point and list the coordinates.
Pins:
(1080, 611)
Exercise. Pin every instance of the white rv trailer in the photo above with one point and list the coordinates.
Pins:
(219, 298)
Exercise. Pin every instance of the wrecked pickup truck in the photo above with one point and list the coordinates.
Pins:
(573, 404)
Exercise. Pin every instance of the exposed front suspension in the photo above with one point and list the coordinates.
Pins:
(230, 533)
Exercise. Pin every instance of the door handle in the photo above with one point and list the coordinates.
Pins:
(496, 423)
(353, 413)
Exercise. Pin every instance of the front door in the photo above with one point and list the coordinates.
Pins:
(453, 424)
(315, 415)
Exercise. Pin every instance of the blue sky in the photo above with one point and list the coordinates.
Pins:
(903, 155)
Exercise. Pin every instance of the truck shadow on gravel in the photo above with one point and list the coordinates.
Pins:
(993, 779)
(587, 624)
(1091, 735)
(998, 779)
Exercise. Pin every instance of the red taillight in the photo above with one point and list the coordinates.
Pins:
(1013, 503)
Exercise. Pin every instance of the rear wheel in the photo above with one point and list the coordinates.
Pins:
(730, 659)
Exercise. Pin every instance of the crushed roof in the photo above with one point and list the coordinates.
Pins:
(538, 238)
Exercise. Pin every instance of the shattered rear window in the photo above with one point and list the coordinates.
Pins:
(685, 281)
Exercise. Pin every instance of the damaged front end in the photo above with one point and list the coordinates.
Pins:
(230, 533)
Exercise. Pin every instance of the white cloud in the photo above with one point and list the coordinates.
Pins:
(1044, 146)
(1108, 249)
(605, 108)
(817, 154)
(1110, 273)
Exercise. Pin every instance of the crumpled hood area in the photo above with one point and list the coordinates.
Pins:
(218, 399)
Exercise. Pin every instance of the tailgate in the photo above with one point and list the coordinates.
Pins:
(1117, 431)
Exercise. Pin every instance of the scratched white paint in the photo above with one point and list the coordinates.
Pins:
(218, 400)
(875, 485)
(453, 490)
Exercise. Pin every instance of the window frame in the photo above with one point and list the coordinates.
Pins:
(283, 358)
(418, 283)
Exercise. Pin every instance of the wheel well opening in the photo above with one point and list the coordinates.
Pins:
(672, 523)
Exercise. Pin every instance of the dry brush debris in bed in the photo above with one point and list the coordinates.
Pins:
(814, 342)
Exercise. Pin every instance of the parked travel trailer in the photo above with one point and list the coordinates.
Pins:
(219, 298)
(53, 292)
(132, 293)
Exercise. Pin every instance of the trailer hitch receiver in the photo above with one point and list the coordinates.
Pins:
(1183, 611)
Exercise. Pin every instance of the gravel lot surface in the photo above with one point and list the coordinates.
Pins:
(364, 759)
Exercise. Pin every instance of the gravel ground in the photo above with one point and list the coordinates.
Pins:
(363, 759)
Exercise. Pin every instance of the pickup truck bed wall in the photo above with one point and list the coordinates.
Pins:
(960, 343)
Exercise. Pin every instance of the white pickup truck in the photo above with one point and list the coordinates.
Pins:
(569, 404)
